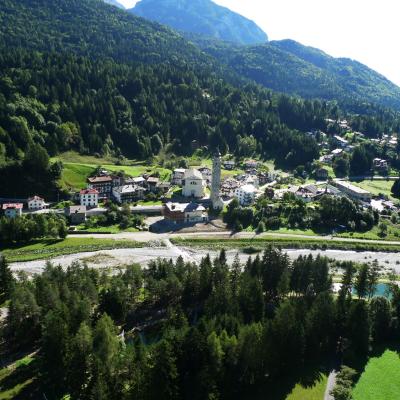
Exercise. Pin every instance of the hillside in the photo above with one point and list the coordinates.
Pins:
(91, 28)
(289, 67)
(202, 17)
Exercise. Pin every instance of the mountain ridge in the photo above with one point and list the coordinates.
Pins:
(203, 17)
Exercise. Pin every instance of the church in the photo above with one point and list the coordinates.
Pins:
(193, 184)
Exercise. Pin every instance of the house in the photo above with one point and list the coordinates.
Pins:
(164, 187)
(103, 185)
(380, 164)
(229, 165)
(336, 153)
(179, 213)
(340, 142)
(36, 203)
(128, 193)
(206, 172)
(89, 197)
(76, 214)
(322, 174)
(152, 183)
(12, 210)
(177, 176)
(246, 194)
(193, 184)
(307, 193)
(228, 187)
(249, 164)
(352, 191)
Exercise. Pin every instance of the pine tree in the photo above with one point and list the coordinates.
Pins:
(6, 278)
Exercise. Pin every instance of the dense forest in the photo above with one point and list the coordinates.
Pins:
(86, 76)
(184, 331)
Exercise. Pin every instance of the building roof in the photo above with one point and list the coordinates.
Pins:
(193, 174)
(351, 187)
(153, 179)
(77, 209)
(13, 205)
(100, 179)
(35, 198)
(88, 191)
(184, 207)
(179, 171)
(249, 189)
(127, 189)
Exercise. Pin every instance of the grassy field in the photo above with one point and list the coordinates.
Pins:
(381, 379)
(315, 392)
(258, 244)
(393, 233)
(106, 229)
(46, 249)
(376, 187)
(74, 175)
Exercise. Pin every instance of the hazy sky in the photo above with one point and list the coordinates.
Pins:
(365, 30)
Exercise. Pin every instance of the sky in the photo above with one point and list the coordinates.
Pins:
(364, 30)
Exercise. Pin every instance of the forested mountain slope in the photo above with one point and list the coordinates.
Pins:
(203, 17)
(86, 76)
(91, 28)
(289, 67)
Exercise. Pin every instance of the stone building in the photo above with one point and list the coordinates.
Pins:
(193, 184)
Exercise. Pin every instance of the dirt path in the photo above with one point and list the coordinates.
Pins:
(330, 385)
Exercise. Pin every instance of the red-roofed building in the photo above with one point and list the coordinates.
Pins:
(12, 210)
(89, 197)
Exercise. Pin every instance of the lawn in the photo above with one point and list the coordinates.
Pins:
(75, 174)
(381, 378)
(315, 392)
(106, 229)
(376, 186)
(393, 233)
(46, 249)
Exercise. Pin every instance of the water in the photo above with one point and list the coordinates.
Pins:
(382, 289)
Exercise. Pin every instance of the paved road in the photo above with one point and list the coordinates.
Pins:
(149, 236)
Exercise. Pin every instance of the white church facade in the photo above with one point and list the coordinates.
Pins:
(193, 184)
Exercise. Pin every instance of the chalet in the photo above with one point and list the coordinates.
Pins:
(36, 203)
(89, 197)
(128, 193)
(164, 187)
(179, 213)
(76, 214)
(152, 183)
(12, 210)
(340, 142)
(177, 176)
(103, 185)
(380, 165)
(206, 173)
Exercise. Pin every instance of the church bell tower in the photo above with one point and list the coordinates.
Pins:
(216, 201)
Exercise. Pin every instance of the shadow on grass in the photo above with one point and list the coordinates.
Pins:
(359, 363)
(16, 246)
(280, 388)
(22, 382)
